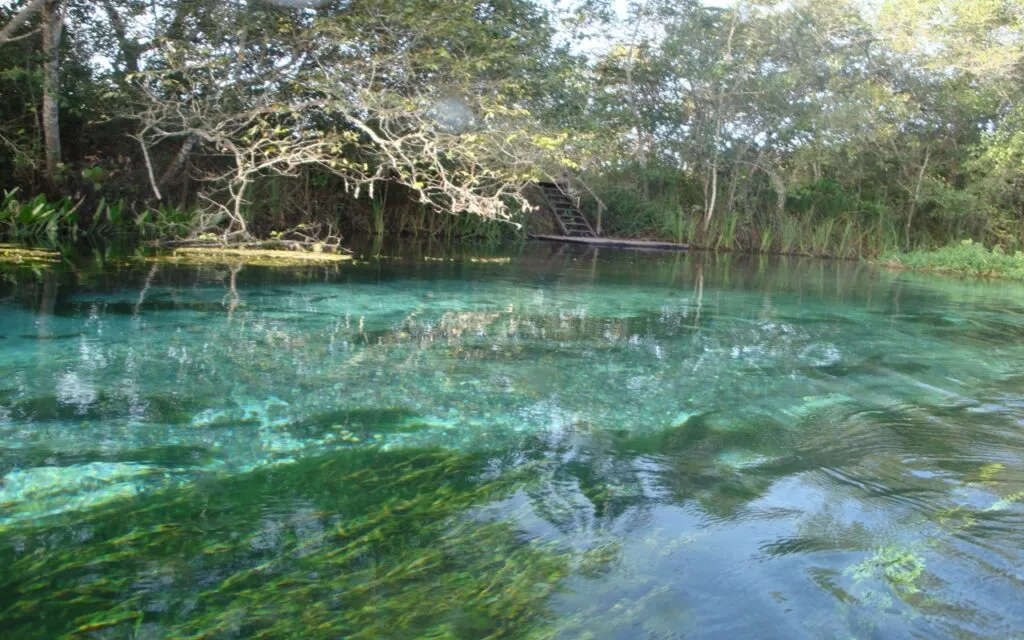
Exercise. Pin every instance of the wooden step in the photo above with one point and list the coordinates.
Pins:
(566, 211)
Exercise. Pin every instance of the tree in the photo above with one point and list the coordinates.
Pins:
(376, 93)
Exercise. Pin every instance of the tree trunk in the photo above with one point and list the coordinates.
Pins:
(730, 202)
(780, 191)
(53, 26)
(734, 180)
(916, 196)
(719, 101)
(711, 195)
(180, 158)
(641, 150)
(236, 211)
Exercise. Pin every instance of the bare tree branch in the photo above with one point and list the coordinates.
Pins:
(26, 12)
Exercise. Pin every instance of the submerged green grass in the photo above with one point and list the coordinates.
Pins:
(360, 544)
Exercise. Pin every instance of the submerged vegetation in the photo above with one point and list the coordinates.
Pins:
(355, 562)
(812, 127)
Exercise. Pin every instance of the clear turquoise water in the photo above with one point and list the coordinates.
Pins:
(567, 444)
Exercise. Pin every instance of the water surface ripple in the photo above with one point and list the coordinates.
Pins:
(566, 444)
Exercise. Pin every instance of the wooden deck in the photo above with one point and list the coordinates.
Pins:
(618, 243)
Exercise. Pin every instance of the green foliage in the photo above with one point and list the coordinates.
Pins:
(629, 214)
(827, 198)
(830, 222)
(966, 258)
(813, 144)
(38, 221)
(478, 83)
(817, 128)
(166, 222)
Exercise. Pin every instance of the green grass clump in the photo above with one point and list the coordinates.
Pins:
(967, 258)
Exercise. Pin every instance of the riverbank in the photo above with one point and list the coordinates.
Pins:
(965, 259)
(36, 228)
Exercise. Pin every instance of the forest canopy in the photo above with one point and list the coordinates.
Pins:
(839, 127)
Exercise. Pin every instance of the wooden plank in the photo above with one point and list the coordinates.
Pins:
(620, 243)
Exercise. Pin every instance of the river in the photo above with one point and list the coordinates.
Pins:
(540, 443)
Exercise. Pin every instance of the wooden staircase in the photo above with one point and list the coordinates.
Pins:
(570, 220)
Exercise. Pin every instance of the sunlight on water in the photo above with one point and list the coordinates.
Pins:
(567, 445)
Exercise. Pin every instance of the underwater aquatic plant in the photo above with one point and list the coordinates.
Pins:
(368, 544)
(899, 567)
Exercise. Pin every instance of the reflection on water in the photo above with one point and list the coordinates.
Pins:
(570, 444)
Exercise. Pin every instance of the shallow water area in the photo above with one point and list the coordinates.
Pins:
(568, 443)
